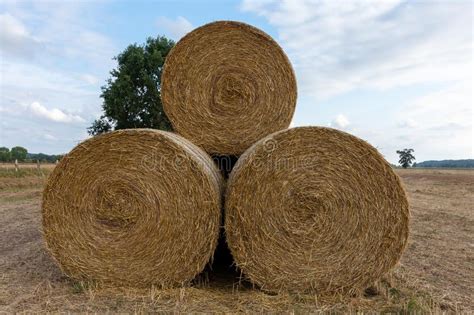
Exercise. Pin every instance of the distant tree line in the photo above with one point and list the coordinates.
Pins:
(407, 158)
(44, 157)
(468, 163)
(16, 153)
(21, 154)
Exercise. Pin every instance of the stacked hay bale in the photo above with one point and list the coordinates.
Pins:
(306, 209)
(318, 210)
(133, 207)
(226, 85)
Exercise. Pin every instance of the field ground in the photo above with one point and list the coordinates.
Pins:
(436, 272)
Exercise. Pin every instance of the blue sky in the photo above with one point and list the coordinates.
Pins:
(395, 73)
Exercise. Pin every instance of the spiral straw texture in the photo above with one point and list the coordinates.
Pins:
(315, 209)
(226, 85)
(133, 207)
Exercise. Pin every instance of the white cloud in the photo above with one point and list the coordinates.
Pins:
(89, 45)
(51, 54)
(408, 47)
(90, 79)
(49, 137)
(340, 122)
(53, 114)
(63, 31)
(15, 39)
(35, 79)
(450, 105)
(27, 83)
(407, 123)
(12, 27)
(338, 46)
(427, 124)
(175, 28)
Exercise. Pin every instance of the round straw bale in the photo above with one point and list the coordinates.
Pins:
(226, 85)
(315, 209)
(133, 207)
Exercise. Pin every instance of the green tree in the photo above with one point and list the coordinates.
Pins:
(132, 97)
(18, 153)
(406, 157)
(5, 155)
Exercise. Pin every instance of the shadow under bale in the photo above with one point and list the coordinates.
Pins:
(223, 263)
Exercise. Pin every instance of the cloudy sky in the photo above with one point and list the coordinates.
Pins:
(395, 73)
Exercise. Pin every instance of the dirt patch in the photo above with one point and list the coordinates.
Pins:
(440, 254)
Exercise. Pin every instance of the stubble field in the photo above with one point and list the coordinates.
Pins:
(436, 272)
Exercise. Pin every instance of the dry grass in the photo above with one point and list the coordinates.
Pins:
(315, 209)
(134, 207)
(440, 254)
(226, 85)
(25, 170)
(435, 274)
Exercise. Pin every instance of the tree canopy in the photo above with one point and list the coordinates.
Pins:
(132, 96)
(406, 157)
(5, 154)
(18, 153)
